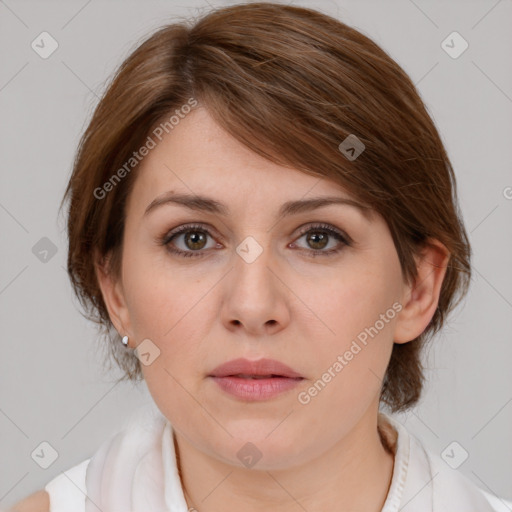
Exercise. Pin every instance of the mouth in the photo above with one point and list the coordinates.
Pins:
(251, 381)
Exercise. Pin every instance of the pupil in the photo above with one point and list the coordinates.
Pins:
(195, 239)
(321, 238)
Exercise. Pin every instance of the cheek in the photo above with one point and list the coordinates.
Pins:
(167, 308)
(354, 314)
(347, 301)
(160, 299)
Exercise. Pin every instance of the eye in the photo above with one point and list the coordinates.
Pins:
(194, 239)
(317, 236)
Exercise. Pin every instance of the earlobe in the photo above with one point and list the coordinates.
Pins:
(113, 296)
(421, 298)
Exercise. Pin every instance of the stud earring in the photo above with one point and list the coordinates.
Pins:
(125, 341)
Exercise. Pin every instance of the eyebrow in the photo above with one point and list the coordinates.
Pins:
(207, 204)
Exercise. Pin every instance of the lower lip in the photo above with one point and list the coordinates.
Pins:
(256, 389)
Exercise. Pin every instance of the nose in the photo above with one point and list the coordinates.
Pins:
(254, 292)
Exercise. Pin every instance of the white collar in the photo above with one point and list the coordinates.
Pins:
(423, 482)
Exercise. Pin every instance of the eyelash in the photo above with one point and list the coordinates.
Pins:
(330, 230)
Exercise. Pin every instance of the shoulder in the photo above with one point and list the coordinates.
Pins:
(453, 488)
(67, 490)
(64, 492)
(36, 502)
(423, 477)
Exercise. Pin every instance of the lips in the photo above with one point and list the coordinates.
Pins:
(255, 381)
(260, 369)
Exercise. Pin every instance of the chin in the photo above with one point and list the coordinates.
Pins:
(258, 450)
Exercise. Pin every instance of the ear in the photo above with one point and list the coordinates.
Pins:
(420, 299)
(113, 296)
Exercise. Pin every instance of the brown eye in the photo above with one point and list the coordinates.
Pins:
(317, 239)
(195, 240)
(187, 240)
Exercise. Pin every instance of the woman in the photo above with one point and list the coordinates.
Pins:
(264, 220)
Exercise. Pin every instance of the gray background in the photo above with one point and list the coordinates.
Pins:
(51, 385)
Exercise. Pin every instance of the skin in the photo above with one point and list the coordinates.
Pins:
(285, 305)
(36, 502)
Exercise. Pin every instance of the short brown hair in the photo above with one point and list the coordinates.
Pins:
(291, 84)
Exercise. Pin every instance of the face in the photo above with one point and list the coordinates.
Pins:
(318, 290)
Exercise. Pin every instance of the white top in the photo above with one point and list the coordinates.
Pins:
(421, 481)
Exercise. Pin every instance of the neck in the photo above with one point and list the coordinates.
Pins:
(355, 474)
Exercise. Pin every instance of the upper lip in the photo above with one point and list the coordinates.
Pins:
(259, 367)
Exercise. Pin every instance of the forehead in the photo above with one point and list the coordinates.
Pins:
(198, 158)
(198, 147)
